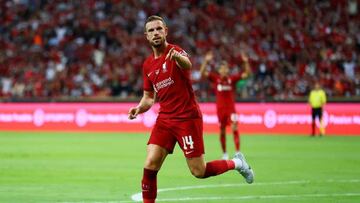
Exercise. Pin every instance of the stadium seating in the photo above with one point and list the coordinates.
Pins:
(95, 48)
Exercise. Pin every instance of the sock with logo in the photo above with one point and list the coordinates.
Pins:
(149, 186)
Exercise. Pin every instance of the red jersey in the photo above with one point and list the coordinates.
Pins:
(172, 85)
(225, 90)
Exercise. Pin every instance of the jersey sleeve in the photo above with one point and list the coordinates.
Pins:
(181, 51)
(147, 86)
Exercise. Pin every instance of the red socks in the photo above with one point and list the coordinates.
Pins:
(149, 183)
(223, 141)
(149, 186)
(237, 140)
(218, 167)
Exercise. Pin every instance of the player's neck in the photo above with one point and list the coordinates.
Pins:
(158, 51)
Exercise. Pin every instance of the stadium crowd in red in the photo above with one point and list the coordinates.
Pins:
(95, 48)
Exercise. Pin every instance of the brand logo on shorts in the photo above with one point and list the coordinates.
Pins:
(189, 152)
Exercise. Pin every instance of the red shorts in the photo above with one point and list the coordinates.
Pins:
(187, 133)
(226, 117)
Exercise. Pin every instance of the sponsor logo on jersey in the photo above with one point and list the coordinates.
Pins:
(164, 83)
(221, 87)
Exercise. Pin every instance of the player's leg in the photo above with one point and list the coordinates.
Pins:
(190, 139)
(155, 157)
(201, 169)
(322, 126)
(234, 127)
(313, 117)
(153, 162)
(223, 141)
(160, 144)
(223, 122)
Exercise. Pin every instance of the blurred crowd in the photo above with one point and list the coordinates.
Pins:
(95, 48)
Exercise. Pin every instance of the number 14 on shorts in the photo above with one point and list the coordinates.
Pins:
(188, 142)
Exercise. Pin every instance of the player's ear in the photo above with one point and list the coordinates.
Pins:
(166, 31)
(146, 35)
(145, 31)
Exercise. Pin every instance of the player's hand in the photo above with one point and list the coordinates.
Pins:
(172, 54)
(244, 57)
(209, 56)
(133, 112)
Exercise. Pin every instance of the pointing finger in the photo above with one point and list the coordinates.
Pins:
(169, 53)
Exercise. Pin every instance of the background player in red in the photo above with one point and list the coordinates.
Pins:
(224, 84)
(166, 75)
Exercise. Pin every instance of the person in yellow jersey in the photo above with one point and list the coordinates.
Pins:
(317, 100)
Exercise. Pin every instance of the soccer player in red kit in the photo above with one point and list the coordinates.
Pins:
(166, 75)
(224, 84)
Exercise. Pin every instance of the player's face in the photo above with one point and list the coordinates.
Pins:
(155, 32)
(224, 70)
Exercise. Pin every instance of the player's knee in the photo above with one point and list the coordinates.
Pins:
(234, 127)
(222, 130)
(152, 164)
(197, 172)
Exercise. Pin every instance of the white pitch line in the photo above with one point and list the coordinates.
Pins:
(260, 197)
(249, 197)
(138, 196)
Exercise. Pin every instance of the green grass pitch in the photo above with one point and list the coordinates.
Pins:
(107, 167)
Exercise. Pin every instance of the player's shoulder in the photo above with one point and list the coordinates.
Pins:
(175, 46)
(147, 61)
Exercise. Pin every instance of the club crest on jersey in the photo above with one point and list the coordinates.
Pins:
(157, 71)
(164, 68)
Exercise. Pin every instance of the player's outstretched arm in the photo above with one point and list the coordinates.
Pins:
(208, 57)
(181, 60)
(145, 104)
(247, 71)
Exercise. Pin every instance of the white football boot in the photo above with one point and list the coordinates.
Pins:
(243, 168)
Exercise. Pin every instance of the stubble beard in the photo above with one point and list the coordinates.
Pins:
(156, 45)
(159, 44)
